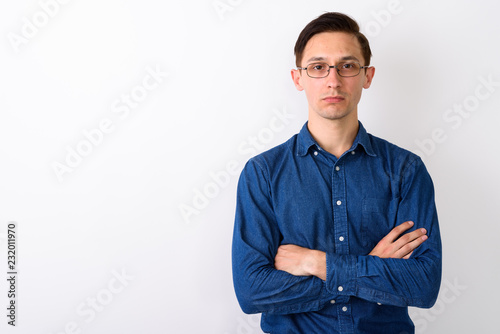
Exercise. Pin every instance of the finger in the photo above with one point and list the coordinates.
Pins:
(289, 247)
(284, 248)
(408, 255)
(409, 247)
(409, 237)
(398, 230)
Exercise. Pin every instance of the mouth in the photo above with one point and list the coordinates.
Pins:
(333, 99)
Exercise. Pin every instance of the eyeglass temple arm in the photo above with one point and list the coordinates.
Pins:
(334, 66)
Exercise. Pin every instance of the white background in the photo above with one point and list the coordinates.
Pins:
(119, 208)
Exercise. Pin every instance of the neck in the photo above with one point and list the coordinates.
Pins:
(334, 136)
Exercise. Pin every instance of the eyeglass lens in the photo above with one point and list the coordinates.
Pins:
(345, 69)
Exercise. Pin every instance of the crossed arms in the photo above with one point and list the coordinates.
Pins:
(300, 261)
(403, 269)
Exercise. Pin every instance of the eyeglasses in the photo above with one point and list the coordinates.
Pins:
(321, 70)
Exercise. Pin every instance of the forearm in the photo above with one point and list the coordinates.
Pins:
(392, 282)
(397, 282)
(260, 287)
(300, 261)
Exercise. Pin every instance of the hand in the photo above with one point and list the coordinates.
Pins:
(300, 261)
(396, 247)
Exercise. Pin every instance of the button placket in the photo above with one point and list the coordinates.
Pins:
(345, 318)
(339, 207)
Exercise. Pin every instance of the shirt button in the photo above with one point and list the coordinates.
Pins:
(341, 238)
(332, 301)
(315, 152)
(340, 288)
(379, 304)
(339, 202)
(344, 308)
(337, 168)
(353, 152)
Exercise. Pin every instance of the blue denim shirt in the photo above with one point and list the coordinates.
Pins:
(297, 193)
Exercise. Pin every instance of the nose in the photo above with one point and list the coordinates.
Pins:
(333, 79)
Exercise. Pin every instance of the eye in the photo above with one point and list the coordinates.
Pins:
(348, 66)
(318, 67)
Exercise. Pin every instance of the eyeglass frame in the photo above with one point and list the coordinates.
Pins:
(332, 66)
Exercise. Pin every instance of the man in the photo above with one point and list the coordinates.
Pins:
(336, 230)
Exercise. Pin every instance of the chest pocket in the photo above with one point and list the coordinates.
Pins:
(378, 219)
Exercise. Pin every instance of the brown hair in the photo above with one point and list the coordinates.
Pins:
(331, 22)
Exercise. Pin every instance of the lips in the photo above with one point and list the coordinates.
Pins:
(333, 99)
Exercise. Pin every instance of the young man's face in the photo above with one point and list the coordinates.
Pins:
(332, 97)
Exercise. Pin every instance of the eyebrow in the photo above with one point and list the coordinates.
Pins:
(313, 59)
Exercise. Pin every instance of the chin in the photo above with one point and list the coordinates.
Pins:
(334, 115)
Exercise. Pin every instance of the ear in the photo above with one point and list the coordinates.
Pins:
(370, 72)
(296, 77)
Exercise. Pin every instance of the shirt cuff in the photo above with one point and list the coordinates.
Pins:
(341, 274)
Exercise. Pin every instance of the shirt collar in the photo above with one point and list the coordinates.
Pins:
(305, 141)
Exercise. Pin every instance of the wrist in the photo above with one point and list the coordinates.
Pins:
(316, 265)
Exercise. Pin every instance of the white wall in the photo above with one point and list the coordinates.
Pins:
(104, 248)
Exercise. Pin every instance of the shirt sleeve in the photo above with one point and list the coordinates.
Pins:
(398, 282)
(258, 285)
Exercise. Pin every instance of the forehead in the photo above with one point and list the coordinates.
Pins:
(332, 46)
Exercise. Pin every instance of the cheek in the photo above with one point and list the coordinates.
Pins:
(312, 88)
(312, 94)
(356, 90)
